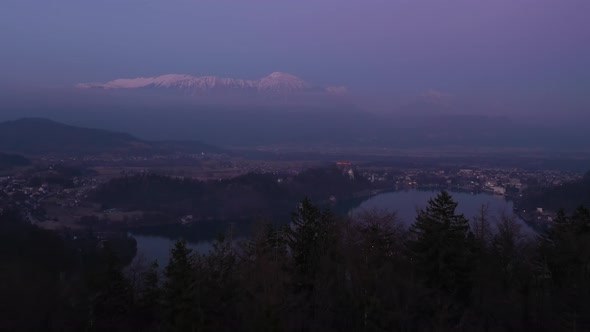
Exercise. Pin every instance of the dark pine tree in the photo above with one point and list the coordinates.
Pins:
(566, 251)
(114, 298)
(310, 237)
(442, 251)
(217, 287)
(149, 302)
(179, 290)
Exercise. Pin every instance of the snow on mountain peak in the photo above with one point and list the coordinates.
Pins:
(279, 81)
(281, 75)
(276, 82)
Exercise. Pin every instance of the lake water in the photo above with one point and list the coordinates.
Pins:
(406, 204)
(157, 245)
(154, 247)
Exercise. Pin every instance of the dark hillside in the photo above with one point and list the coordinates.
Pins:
(568, 196)
(36, 135)
(8, 161)
(42, 136)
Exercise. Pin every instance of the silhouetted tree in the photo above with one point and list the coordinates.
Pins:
(566, 250)
(308, 238)
(311, 238)
(263, 279)
(180, 311)
(217, 287)
(113, 302)
(149, 302)
(442, 252)
(378, 273)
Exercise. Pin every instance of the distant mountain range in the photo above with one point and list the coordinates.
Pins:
(275, 84)
(38, 136)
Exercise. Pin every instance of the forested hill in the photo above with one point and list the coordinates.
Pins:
(568, 196)
(42, 136)
(241, 197)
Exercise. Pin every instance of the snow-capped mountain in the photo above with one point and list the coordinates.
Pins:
(282, 82)
(275, 83)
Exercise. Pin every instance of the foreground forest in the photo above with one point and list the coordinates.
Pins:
(319, 273)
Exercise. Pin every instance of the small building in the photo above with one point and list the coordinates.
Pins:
(351, 174)
(187, 219)
(499, 190)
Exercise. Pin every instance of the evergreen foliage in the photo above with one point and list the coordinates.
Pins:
(442, 246)
(179, 290)
(321, 273)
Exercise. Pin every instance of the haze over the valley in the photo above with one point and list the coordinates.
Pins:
(396, 74)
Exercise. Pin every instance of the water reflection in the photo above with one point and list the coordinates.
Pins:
(155, 243)
(154, 247)
(407, 203)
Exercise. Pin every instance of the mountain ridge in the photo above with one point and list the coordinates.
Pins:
(41, 136)
(275, 83)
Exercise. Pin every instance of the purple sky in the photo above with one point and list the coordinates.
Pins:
(517, 51)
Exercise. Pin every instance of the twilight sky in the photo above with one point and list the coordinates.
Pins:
(519, 50)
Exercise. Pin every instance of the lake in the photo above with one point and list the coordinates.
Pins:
(406, 204)
(157, 245)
